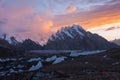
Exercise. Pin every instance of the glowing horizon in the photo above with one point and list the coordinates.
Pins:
(38, 19)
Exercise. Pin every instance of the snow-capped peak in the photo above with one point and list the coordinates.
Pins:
(79, 29)
(70, 31)
(77, 26)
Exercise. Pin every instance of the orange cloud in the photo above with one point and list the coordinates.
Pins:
(109, 19)
(47, 26)
(71, 9)
(96, 16)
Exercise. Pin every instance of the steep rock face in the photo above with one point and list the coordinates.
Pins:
(76, 38)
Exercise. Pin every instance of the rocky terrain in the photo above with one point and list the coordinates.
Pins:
(85, 65)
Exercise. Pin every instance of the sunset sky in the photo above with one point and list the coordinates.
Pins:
(38, 19)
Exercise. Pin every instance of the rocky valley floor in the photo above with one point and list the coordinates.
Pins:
(88, 65)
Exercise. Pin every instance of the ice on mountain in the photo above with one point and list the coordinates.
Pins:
(91, 52)
(51, 59)
(59, 59)
(8, 59)
(51, 38)
(2, 73)
(34, 59)
(4, 60)
(11, 70)
(36, 67)
(116, 63)
(20, 66)
(106, 57)
(86, 62)
(72, 59)
(20, 70)
(77, 29)
(20, 58)
(68, 34)
(76, 54)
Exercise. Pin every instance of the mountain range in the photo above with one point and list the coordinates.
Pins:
(67, 38)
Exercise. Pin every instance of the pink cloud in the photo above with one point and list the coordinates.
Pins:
(71, 9)
(24, 21)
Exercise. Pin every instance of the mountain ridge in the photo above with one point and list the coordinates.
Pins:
(67, 38)
(75, 37)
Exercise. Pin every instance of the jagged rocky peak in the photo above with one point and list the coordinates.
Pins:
(28, 44)
(69, 31)
(76, 38)
(13, 41)
(74, 26)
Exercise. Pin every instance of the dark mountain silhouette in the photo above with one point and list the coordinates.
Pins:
(4, 42)
(28, 44)
(14, 41)
(16, 48)
(76, 38)
(7, 50)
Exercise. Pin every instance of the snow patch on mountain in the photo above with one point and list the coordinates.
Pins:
(70, 32)
(77, 28)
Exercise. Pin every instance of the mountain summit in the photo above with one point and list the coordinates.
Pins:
(76, 38)
(69, 32)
